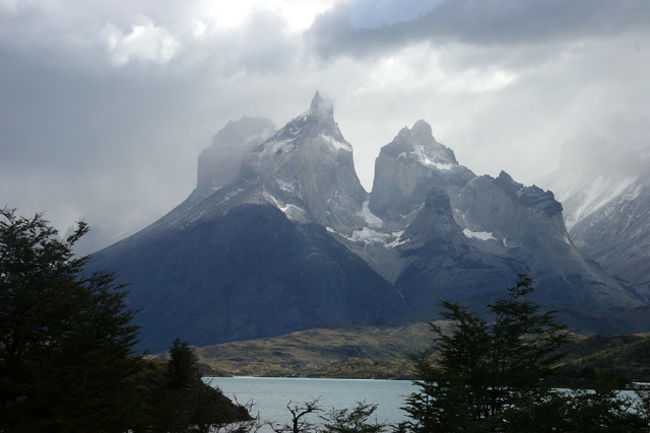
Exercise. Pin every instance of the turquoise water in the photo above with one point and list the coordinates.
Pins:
(271, 395)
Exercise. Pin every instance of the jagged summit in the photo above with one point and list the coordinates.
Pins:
(418, 144)
(408, 167)
(318, 121)
(321, 105)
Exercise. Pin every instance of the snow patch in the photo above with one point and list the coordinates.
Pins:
(260, 136)
(484, 236)
(595, 195)
(398, 239)
(229, 195)
(431, 157)
(370, 218)
(286, 186)
(367, 236)
(293, 212)
(370, 236)
(338, 145)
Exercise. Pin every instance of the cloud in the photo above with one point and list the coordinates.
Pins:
(144, 42)
(106, 105)
(353, 28)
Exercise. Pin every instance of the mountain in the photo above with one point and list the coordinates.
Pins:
(254, 259)
(608, 212)
(219, 163)
(466, 236)
(292, 241)
(617, 234)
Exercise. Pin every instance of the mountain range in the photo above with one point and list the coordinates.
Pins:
(279, 235)
(607, 212)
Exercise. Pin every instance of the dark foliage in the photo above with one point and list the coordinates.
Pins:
(65, 337)
(179, 401)
(66, 347)
(491, 377)
(356, 420)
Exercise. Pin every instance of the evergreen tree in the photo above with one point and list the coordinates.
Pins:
(66, 338)
(66, 348)
(484, 374)
(179, 400)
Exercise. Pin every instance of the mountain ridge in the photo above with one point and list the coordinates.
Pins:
(294, 240)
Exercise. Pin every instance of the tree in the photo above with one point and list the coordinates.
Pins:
(483, 375)
(182, 367)
(179, 400)
(299, 413)
(354, 420)
(66, 338)
(66, 348)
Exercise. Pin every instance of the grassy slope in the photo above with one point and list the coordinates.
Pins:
(363, 352)
(382, 352)
(621, 358)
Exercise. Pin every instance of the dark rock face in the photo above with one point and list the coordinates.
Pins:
(443, 263)
(250, 273)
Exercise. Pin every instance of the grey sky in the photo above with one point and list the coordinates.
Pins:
(105, 106)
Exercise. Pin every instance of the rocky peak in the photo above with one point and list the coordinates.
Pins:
(219, 163)
(408, 167)
(418, 145)
(307, 169)
(318, 121)
(528, 196)
(507, 183)
(321, 106)
(434, 222)
(421, 132)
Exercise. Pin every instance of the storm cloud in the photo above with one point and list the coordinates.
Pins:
(105, 106)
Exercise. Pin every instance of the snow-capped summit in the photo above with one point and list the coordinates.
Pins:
(305, 170)
(418, 144)
(408, 167)
(318, 121)
(257, 257)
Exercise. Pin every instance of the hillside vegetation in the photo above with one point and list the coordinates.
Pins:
(383, 353)
(362, 352)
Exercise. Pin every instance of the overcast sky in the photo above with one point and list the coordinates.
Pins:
(105, 105)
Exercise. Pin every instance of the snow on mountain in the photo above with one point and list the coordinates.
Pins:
(484, 236)
(254, 258)
(607, 209)
(583, 194)
(292, 240)
(407, 168)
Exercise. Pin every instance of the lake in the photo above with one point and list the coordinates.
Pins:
(271, 394)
